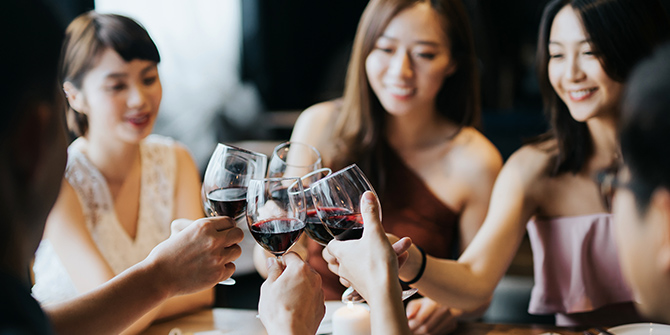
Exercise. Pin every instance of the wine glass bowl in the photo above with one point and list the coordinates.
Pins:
(313, 225)
(276, 213)
(293, 159)
(224, 186)
(337, 201)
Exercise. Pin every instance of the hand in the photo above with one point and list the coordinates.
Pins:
(291, 299)
(369, 261)
(197, 257)
(178, 225)
(427, 317)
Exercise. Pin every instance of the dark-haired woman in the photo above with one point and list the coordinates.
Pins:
(408, 118)
(586, 51)
(123, 187)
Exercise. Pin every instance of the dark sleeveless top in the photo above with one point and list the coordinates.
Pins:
(409, 208)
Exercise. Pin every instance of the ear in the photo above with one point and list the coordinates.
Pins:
(659, 204)
(74, 97)
(451, 68)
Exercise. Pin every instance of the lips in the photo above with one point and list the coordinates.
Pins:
(583, 94)
(138, 120)
(400, 92)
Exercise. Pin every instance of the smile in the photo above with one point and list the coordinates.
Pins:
(138, 120)
(581, 94)
(401, 92)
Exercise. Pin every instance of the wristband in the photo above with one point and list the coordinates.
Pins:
(421, 269)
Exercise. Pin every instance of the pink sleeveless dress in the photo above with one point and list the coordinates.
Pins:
(577, 273)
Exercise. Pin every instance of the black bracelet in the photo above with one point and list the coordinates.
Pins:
(421, 269)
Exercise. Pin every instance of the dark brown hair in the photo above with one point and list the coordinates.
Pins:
(358, 129)
(87, 37)
(621, 33)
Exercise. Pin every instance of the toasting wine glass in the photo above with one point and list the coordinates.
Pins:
(224, 187)
(276, 213)
(337, 200)
(293, 159)
(313, 226)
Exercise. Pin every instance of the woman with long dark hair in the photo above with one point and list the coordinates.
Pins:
(586, 51)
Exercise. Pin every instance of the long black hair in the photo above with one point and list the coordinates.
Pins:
(621, 33)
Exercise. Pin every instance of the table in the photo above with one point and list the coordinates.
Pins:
(220, 321)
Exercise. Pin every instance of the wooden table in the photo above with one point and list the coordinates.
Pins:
(219, 321)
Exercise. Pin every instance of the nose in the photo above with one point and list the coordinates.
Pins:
(136, 97)
(401, 65)
(573, 71)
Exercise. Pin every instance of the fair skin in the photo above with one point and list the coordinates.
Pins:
(360, 265)
(121, 101)
(644, 235)
(291, 299)
(406, 69)
(525, 187)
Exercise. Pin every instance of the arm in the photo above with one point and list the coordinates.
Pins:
(370, 265)
(291, 299)
(469, 282)
(190, 261)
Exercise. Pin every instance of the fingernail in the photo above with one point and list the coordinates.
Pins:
(368, 198)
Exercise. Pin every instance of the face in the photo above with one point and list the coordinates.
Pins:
(120, 98)
(638, 243)
(410, 61)
(575, 71)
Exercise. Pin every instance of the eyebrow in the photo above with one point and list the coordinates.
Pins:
(579, 42)
(431, 43)
(114, 75)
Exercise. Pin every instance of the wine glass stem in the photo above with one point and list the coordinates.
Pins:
(280, 260)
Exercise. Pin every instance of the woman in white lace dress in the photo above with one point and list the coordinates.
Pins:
(123, 187)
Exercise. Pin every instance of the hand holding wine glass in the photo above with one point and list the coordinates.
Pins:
(337, 199)
(276, 213)
(227, 176)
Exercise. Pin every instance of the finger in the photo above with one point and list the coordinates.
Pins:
(402, 245)
(230, 236)
(327, 253)
(425, 310)
(291, 258)
(412, 308)
(370, 214)
(179, 225)
(231, 253)
(221, 222)
(440, 322)
(274, 269)
(344, 282)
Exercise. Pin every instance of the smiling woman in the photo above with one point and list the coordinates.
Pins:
(123, 187)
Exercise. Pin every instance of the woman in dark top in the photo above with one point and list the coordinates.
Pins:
(408, 118)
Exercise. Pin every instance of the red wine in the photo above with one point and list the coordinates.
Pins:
(230, 201)
(315, 229)
(342, 223)
(277, 235)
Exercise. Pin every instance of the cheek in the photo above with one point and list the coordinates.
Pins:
(554, 72)
(373, 70)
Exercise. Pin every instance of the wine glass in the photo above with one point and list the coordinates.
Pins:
(313, 226)
(293, 159)
(337, 199)
(224, 187)
(276, 213)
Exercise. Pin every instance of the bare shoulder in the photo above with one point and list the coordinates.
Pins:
(475, 154)
(534, 161)
(182, 153)
(317, 116)
(67, 210)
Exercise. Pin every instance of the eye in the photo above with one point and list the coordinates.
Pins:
(150, 80)
(116, 87)
(426, 55)
(387, 50)
(555, 55)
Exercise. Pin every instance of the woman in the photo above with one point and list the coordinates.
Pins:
(408, 118)
(586, 50)
(123, 186)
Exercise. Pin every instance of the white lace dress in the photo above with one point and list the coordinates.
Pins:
(158, 159)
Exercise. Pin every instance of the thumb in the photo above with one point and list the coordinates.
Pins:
(412, 308)
(370, 213)
(274, 269)
(178, 225)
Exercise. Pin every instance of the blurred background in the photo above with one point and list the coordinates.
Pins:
(242, 71)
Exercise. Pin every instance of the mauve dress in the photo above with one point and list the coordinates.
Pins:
(577, 272)
(409, 208)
